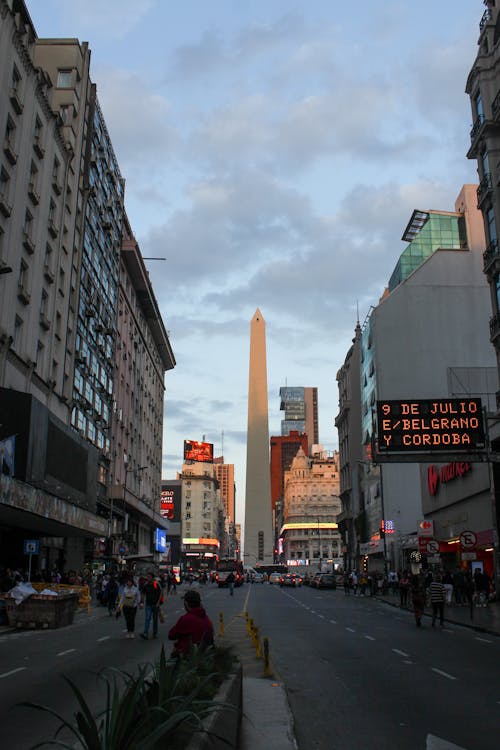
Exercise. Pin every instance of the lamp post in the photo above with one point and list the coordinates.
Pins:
(319, 543)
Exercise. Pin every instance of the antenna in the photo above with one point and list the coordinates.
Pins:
(222, 446)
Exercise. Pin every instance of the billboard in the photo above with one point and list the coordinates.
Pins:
(195, 451)
(160, 540)
(430, 425)
(170, 501)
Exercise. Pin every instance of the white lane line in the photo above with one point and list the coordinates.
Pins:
(63, 653)
(484, 640)
(400, 653)
(369, 637)
(13, 671)
(104, 638)
(322, 617)
(351, 630)
(445, 674)
(334, 622)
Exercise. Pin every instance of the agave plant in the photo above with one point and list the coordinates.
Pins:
(142, 711)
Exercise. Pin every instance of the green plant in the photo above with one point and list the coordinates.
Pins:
(164, 702)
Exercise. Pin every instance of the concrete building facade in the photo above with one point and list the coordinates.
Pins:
(312, 505)
(427, 338)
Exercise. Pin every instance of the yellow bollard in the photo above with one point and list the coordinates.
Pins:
(250, 627)
(258, 649)
(267, 667)
(221, 625)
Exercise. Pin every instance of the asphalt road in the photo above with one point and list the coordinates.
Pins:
(33, 664)
(360, 674)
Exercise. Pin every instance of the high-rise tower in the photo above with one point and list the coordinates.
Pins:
(258, 518)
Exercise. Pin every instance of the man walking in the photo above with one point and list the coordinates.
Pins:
(230, 583)
(151, 599)
(437, 594)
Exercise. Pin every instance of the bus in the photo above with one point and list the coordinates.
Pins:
(226, 565)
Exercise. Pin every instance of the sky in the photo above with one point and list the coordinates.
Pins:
(273, 154)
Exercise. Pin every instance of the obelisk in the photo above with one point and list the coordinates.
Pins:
(259, 541)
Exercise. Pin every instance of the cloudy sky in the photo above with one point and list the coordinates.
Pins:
(273, 152)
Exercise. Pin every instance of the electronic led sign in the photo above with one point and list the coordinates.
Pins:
(429, 425)
(195, 451)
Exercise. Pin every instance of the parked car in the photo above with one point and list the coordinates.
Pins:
(313, 581)
(275, 578)
(326, 581)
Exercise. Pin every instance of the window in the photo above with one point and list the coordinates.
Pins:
(478, 105)
(16, 79)
(4, 185)
(491, 225)
(64, 79)
(28, 223)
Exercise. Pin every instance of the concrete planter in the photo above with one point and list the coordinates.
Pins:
(223, 726)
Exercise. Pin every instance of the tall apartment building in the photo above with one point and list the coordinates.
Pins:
(225, 476)
(202, 514)
(143, 355)
(483, 88)
(61, 227)
(427, 338)
(311, 508)
(348, 423)
(301, 412)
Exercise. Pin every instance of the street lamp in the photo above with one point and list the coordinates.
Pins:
(319, 542)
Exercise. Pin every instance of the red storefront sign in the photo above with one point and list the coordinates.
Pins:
(445, 474)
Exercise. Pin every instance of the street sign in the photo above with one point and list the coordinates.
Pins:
(426, 528)
(468, 541)
(31, 547)
(469, 555)
(432, 547)
(434, 559)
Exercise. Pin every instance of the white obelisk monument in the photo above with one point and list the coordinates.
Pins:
(259, 538)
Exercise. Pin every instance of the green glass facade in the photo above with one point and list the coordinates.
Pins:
(439, 231)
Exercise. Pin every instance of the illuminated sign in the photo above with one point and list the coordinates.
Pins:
(428, 425)
(387, 527)
(194, 451)
(160, 540)
(445, 474)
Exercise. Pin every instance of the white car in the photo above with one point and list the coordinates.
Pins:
(256, 577)
(274, 578)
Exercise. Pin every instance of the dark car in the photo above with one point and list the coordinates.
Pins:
(326, 581)
(290, 579)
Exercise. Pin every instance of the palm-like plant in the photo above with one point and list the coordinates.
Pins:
(167, 701)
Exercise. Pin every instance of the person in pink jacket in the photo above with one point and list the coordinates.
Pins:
(193, 628)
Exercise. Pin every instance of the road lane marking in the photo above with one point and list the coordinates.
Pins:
(445, 674)
(334, 622)
(63, 653)
(400, 653)
(104, 638)
(351, 630)
(13, 671)
(369, 637)
(322, 617)
(484, 640)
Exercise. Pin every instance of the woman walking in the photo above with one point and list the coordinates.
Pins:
(129, 601)
(418, 598)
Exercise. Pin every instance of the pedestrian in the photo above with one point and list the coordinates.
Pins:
(347, 584)
(111, 594)
(418, 597)
(438, 597)
(128, 602)
(404, 587)
(230, 583)
(151, 599)
(193, 628)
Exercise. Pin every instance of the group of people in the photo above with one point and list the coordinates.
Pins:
(192, 628)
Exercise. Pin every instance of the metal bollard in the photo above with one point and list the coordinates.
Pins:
(221, 625)
(267, 667)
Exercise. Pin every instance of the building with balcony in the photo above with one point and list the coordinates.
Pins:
(309, 534)
(348, 424)
(427, 338)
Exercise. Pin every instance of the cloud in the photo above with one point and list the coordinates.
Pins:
(113, 18)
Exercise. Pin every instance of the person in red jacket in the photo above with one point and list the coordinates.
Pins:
(193, 628)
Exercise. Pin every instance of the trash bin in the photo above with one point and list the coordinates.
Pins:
(42, 611)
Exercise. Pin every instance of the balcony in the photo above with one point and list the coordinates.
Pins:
(56, 186)
(44, 321)
(484, 189)
(485, 19)
(5, 207)
(490, 257)
(476, 128)
(495, 330)
(48, 273)
(16, 102)
(37, 147)
(23, 294)
(33, 195)
(28, 243)
(9, 152)
(495, 107)
(53, 230)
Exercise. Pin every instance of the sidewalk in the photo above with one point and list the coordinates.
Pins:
(267, 719)
(482, 619)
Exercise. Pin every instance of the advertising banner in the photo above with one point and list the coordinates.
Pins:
(170, 502)
(195, 451)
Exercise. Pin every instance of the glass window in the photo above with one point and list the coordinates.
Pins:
(491, 224)
(64, 79)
